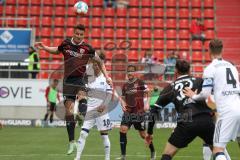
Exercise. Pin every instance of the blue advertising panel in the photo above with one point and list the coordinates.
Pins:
(14, 43)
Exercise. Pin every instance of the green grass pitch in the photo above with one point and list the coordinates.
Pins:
(51, 144)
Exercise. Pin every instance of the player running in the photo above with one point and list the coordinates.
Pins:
(222, 78)
(76, 54)
(100, 95)
(133, 93)
(194, 118)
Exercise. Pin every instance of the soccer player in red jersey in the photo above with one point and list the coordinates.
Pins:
(76, 54)
(134, 92)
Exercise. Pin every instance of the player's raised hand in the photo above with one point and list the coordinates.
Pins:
(188, 92)
(39, 45)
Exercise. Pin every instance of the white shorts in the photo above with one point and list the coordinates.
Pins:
(101, 120)
(226, 129)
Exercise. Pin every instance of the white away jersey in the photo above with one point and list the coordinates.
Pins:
(223, 77)
(99, 91)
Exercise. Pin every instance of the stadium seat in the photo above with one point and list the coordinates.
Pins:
(133, 23)
(35, 11)
(133, 33)
(134, 3)
(121, 33)
(57, 41)
(97, 3)
(109, 12)
(159, 55)
(133, 55)
(196, 45)
(135, 44)
(146, 12)
(96, 43)
(183, 45)
(208, 13)
(133, 12)
(96, 33)
(97, 11)
(59, 21)
(109, 22)
(46, 21)
(57, 56)
(56, 64)
(197, 67)
(43, 75)
(23, 2)
(60, 2)
(171, 23)
(108, 33)
(10, 22)
(209, 34)
(184, 3)
(184, 55)
(69, 32)
(121, 12)
(23, 10)
(119, 76)
(108, 55)
(171, 45)
(206, 44)
(84, 20)
(184, 34)
(207, 57)
(46, 32)
(47, 11)
(71, 21)
(158, 12)
(146, 44)
(158, 23)
(60, 11)
(44, 64)
(158, 34)
(146, 33)
(10, 10)
(1, 10)
(58, 32)
(96, 22)
(70, 12)
(171, 3)
(183, 13)
(183, 24)
(209, 23)
(158, 3)
(48, 2)
(146, 23)
(171, 34)
(72, 2)
(11, 2)
(147, 3)
(37, 32)
(196, 3)
(171, 13)
(209, 3)
(197, 56)
(196, 13)
(36, 2)
(44, 54)
(158, 44)
(121, 23)
(22, 22)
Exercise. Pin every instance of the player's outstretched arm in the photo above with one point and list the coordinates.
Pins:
(41, 46)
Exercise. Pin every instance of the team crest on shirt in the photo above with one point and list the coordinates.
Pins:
(82, 50)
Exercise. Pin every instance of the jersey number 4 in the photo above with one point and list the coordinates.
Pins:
(230, 78)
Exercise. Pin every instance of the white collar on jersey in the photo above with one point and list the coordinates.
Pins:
(75, 43)
(182, 76)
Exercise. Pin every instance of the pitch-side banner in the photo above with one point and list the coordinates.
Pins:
(22, 92)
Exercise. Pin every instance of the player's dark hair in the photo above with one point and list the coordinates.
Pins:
(80, 27)
(132, 66)
(182, 66)
(55, 80)
(102, 56)
(216, 46)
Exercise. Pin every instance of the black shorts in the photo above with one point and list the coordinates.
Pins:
(71, 86)
(52, 107)
(135, 119)
(201, 126)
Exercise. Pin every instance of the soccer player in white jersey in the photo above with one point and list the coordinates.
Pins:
(100, 94)
(221, 78)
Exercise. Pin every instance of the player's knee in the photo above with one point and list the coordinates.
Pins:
(166, 157)
(123, 129)
(84, 133)
(220, 156)
(142, 134)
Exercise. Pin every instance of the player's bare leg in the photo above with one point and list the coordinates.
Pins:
(143, 135)
(106, 143)
(169, 151)
(123, 141)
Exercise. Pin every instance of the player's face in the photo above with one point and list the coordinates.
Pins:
(55, 83)
(130, 73)
(78, 35)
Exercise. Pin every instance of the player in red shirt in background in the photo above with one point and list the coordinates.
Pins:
(51, 95)
(197, 30)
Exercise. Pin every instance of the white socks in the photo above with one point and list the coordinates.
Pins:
(81, 143)
(106, 144)
(207, 153)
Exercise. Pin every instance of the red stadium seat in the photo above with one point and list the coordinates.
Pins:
(44, 65)
(22, 22)
(209, 13)
(23, 2)
(48, 2)
(46, 32)
(196, 13)
(209, 3)
(96, 22)
(97, 11)
(134, 3)
(209, 23)
(184, 3)
(171, 13)
(121, 23)
(121, 12)
(108, 33)
(183, 13)
(171, 34)
(171, 3)
(47, 11)
(158, 44)
(10, 10)
(206, 44)
(60, 2)
(56, 64)
(71, 12)
(146, 12)
(59, 21)
(207, 56)
(146, 44)
(146, 34)
(71, 21)
(69, 32)
(46, 21)
(98, 3)
(158, 23)
(158, 12)
(133, 55)
(183, 24)
(109, 12)
(60, 11)
(23, 10)
(108, 55)
(158, 34)
(158, 3)
(196, 3)
(147, 3)
(36, 2)
(119, 76)
(133, 12)
(35, 22)
(134, 33)
(146, 23)
(171, 23)
(96, 43)
(57, 56)
(197, 56)
(171, 45)
(184, 34)
(96, 33)
(196, 45)
(121, 34)
(135, 44)
(72, 2)
(159, 55)
(58, 32)
(183, 45)
(44, 54)
(197, 67)
(57, 41)
(84, 21)
(1, 9)
(35, 11)
(133, 23)
(109, 22)
(209, 34)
